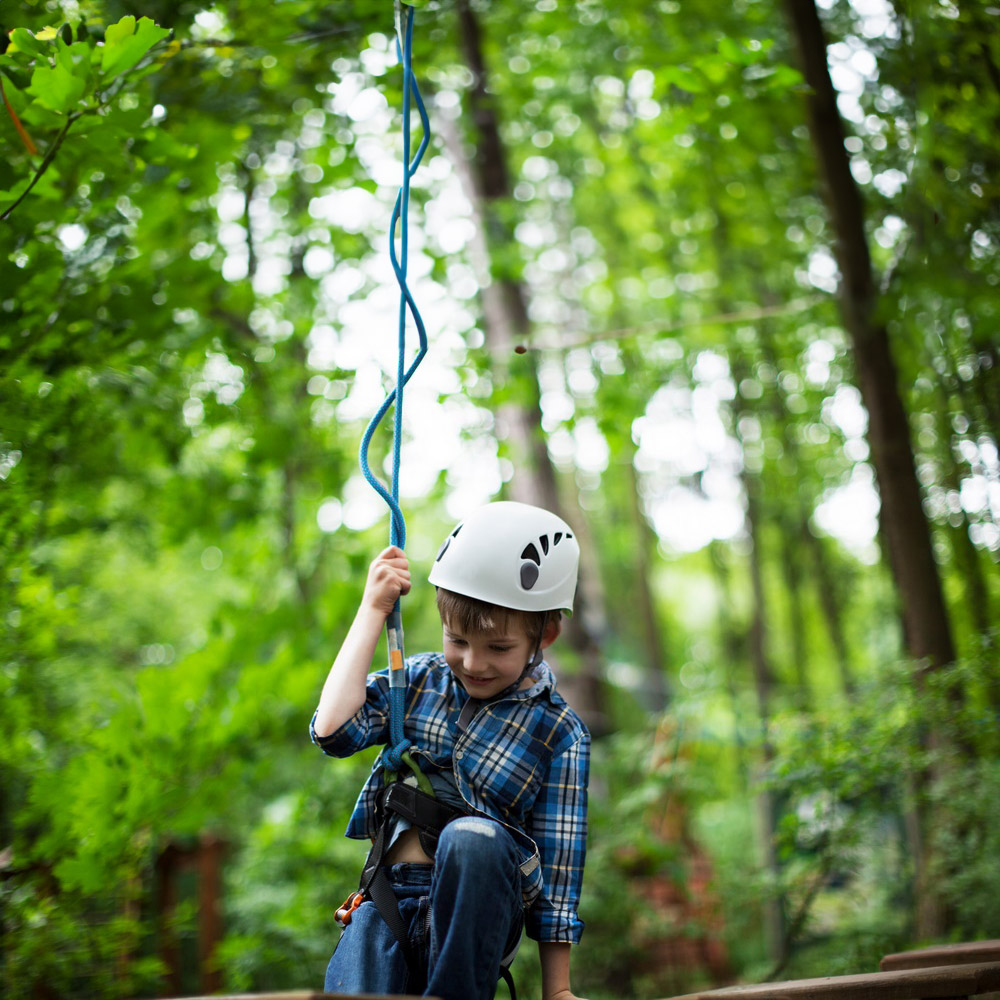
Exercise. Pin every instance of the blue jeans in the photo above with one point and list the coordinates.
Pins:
(463, 914)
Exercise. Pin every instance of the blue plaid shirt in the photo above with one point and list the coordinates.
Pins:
(523, 760)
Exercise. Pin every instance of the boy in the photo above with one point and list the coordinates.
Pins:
(495, 740)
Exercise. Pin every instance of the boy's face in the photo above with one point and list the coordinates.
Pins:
(487, 662)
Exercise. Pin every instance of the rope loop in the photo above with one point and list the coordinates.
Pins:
(392, 757)
(407, 305)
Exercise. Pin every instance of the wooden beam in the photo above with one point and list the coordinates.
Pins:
(943, 954)
(935, 983)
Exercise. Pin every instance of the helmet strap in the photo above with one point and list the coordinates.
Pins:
(536, 658)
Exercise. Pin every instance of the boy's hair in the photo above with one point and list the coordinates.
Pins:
(470, 615)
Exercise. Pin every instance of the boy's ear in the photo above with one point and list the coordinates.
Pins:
(551, 632)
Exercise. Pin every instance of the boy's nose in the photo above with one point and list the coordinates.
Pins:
(475, 662)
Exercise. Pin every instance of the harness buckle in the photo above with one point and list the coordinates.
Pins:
(343, 915)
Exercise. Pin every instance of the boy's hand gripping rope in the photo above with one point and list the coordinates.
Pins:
(392, 756)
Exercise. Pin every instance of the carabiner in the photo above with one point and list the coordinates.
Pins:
(343, 915)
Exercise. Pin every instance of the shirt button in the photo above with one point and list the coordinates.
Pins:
(459, 755)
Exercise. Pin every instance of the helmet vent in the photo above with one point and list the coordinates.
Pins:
(544, 539)
(529, 568)
(447, 542)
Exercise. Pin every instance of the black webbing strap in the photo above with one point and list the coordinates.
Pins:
(509, 980)
(429, 817)
(375, 885)
(427, 814)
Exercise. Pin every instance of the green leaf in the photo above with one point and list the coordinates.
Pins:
(684, 78)
(732, 50)
(24, 41)
(126, 42)
(786, 76)
(57, 88)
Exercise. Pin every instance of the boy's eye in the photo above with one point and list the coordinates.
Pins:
(501, 649)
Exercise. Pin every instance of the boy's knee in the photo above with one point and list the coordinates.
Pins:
(473, 840)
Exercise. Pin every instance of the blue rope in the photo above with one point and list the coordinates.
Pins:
(399, 265)
(397, 531)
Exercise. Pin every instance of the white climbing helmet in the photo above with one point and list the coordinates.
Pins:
(511, 555)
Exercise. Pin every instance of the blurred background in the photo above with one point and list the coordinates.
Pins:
(717, 282)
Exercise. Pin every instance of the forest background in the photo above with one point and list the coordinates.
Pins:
(716, 281)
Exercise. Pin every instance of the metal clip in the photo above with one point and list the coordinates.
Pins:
(343, 915)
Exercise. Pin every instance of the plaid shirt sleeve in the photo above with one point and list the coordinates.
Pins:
(370, 725)
(559, 826)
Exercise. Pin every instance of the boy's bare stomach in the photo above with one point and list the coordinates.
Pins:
(407, 850)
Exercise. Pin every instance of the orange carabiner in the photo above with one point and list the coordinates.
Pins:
(343, 915)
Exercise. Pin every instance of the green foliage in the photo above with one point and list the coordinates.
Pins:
(849, 780)
(289, 879)
(181, 396)
(54, 78)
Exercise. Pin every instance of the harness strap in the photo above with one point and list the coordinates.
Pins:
(506, 976)
(428, 815)
(375, 885)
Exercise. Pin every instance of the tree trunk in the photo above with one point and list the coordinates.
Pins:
(792, 572)
(654, 652)
(763, 676)
(964, 552)
(830, 601)
(733, 649)
(926, 627)
(798, 528)
(506, 325)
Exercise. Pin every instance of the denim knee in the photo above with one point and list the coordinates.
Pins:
(475, 841)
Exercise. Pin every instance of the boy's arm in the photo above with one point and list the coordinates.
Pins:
(554, 959)
(344, 691)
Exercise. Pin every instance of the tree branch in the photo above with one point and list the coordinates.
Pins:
(44, 165)
(656, 327)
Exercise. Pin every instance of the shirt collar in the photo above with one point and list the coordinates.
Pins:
(543, 678)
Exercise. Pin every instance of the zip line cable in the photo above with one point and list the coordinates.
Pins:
(398, 745)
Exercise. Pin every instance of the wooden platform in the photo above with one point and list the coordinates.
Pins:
(302, 995)
(926, 983)
(967, 952)
(957, 977)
